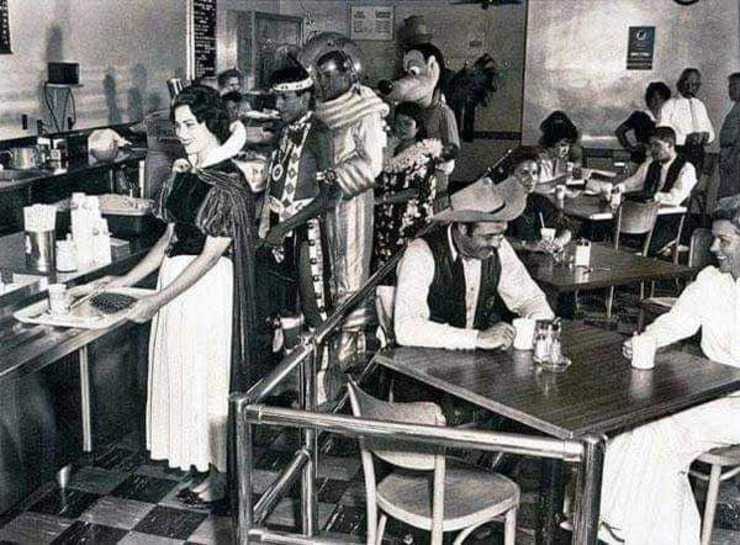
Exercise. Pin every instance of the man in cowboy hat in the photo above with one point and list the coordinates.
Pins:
(457, 283)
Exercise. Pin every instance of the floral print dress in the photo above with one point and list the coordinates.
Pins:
(404, 193)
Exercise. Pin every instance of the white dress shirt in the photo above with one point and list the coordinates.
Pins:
(679, 192)
(712, 303)
(416, 273)
(685, 115)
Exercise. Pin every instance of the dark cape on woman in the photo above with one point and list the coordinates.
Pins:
(228, 211)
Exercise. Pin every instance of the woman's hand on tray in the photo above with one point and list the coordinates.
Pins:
(101, 283)
(144, 309)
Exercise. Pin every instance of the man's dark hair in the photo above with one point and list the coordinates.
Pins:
(522, 154)
(664, 134)
(734, 75)
(728, 209)
(206, 105)
(657, 88)
(226, 75)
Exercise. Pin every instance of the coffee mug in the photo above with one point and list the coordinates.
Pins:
(643, 351)
(547, 234)
(524, 333)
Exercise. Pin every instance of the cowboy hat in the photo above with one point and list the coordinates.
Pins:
(483, 201)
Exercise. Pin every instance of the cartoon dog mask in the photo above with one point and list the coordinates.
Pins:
(423, 66)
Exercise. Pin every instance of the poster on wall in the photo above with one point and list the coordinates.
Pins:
(204, 34)
(371, 23)
(640, 48)
(4, 28)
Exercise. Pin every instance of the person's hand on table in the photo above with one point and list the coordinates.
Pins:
(144, 309)
(549, 246)
(500, 335)
(627, 349)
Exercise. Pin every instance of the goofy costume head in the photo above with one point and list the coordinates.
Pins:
(423, 68)
(421, 83)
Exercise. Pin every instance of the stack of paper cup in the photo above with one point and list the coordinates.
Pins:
(524, 333)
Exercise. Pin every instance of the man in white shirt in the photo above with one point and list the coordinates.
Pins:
(457, 283)
(646, 496)
(667, 179)
(687, 115)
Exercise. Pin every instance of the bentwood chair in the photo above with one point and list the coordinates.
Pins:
(633, 218)
(455, 498)
(717, 458)
(699, 257)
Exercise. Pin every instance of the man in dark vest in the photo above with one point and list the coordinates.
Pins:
(457, 284)
(667, 179)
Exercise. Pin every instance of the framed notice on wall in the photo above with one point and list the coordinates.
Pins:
(640, 48)
(4, 28)
(204, 37)
(371, 23)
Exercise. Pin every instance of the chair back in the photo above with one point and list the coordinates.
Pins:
(393, 450)
(399, 453)
(699, 254)
(636, 218)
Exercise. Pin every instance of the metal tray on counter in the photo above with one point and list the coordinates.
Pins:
(84, 316)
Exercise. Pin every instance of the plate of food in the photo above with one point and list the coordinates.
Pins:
(98, 310)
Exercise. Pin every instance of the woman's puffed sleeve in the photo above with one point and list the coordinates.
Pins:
(223, 208)
(159, 207)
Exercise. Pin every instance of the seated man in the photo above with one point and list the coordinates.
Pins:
(646, 493)
(456, 283)
(667, 179)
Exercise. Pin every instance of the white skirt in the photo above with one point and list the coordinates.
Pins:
(189, 369)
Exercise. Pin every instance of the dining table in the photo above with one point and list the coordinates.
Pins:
(597, 396)
(592, 207)
(607, 267)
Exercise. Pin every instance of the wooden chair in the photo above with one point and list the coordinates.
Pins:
(455, 498)
(699, 257)
(633, 218)
(717, 458)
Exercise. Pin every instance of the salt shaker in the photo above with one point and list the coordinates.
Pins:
(541, 344)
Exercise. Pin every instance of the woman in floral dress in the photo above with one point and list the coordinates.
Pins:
(406, 188)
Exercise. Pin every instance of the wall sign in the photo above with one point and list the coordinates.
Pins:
(204, 34)
(4, 28)
(640, 48)
(371, 23)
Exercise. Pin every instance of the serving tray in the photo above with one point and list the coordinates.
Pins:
(84, 316)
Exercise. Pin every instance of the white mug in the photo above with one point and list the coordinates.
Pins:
(524, 333)
(643, 351)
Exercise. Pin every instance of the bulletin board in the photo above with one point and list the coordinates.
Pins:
(204, 33)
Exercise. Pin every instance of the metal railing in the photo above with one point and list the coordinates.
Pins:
(247, 411)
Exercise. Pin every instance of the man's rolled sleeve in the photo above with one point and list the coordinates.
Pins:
(516, 287)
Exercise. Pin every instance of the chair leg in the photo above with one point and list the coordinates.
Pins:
(381, 529)
(510, 527)
(641, 321)
(609, 303)
(711, 505)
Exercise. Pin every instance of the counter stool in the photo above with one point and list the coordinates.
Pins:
(717, 458)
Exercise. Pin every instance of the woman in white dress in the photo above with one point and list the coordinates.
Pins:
(203, 309)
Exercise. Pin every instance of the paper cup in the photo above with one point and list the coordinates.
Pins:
(58, 302)
(643, 352)
(524, 333)
(547, 234)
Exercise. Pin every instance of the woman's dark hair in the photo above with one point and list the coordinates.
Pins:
(556, 127)
(206, 105)
(680, 84)
(415, 112)
(659, 88)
